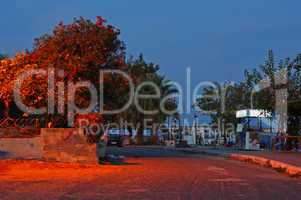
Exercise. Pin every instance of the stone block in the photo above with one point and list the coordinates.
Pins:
(67, 145)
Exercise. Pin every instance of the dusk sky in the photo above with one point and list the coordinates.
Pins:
(218, 39)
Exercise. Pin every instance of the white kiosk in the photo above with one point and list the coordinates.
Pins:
(252, 135)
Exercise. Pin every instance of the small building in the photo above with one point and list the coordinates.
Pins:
(254, 129)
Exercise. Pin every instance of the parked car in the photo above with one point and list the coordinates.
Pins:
(118, 137)
(114, 137)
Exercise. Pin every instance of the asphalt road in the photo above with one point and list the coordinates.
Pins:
(148, 151)
(149, 177)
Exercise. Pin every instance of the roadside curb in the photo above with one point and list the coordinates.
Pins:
(291, 170)
(282, 167)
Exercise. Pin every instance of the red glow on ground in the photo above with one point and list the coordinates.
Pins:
(38, 170)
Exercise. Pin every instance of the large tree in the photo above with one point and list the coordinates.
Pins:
(266, 98)
(244, 95)
(81, 49)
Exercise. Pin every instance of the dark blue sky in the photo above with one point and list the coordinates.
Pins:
(218, 39)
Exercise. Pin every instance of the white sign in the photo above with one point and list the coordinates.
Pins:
(253, 113)
(239, 128)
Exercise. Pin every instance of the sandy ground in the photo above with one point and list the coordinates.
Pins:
(145, 178)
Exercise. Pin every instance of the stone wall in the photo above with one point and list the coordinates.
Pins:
(67, 145)
(27, 148)
(19, 132)
(53, 144)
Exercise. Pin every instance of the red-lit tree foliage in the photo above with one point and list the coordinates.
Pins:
(33, 90)
(81, 49)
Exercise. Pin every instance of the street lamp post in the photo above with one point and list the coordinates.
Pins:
(195, 128)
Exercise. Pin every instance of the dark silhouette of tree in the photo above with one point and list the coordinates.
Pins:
(239, 96)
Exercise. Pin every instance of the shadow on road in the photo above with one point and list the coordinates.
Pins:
(4, 154)
(124, 163)
(144, 152)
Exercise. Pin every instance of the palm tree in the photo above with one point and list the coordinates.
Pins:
(167, 90)
(142, 71)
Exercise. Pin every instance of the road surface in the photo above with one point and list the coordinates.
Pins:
(147, 177)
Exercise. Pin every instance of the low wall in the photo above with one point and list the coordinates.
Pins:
(53, 144)
(19, 132)
(27, 148)
(67, 145)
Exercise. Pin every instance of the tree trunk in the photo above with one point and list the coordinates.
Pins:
(139, 136)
